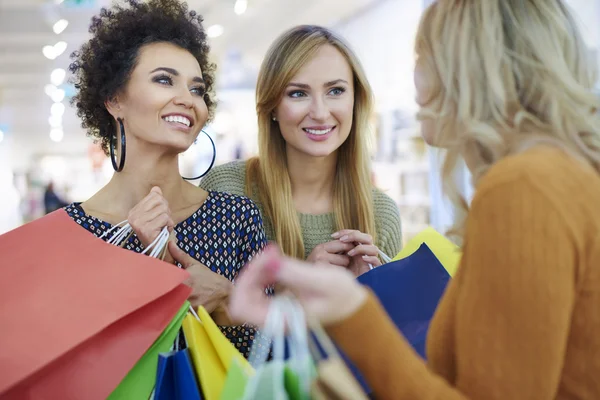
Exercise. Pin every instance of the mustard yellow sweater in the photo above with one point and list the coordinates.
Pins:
(521, 319)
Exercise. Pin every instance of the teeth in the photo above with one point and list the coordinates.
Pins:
(318, 131)
(178, 118)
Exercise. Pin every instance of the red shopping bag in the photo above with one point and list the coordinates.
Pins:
(77, 313)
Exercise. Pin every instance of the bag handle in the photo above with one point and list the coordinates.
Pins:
(156, 249)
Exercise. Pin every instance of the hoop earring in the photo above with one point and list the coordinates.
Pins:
(113, 158)
(212, 162)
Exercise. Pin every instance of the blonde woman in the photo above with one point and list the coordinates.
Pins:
(311, 178)
(507, 84)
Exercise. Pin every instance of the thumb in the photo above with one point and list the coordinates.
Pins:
(180, 256)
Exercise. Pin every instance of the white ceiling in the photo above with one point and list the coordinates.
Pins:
(26, 27)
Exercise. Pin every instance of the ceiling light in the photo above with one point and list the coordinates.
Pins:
(240, 6)
(55, 121)
(60, 47)
(1, 136)
(57, 76)
(49, 89)
(56, 135)
(57, 109)
(58, 95)
(49, 52)
(214, 31)
(60, 26)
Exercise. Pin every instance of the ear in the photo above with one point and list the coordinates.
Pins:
(113, 107)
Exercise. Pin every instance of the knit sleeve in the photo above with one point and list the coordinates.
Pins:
(227, 178)
(516, 293)
(387, 223)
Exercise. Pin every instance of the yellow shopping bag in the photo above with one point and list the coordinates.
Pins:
(446, 252)
(212, 353)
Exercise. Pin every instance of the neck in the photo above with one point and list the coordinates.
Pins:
(312, 180)
(143, 170)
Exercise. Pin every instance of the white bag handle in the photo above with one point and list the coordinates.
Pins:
(124, 231)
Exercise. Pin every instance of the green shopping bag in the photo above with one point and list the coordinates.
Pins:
(282, 379)
(140, 381)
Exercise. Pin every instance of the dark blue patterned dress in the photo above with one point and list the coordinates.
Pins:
(224, 234)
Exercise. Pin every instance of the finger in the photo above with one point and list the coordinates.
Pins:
(156, 212)
(181, 256)
(156, 189)
(356, 237)
(374, 261)
(260, 272)
(337, 259)
(364, 250)
(335, 246)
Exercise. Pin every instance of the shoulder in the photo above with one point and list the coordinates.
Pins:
(234, 206)
(229, 177)
(543, 171)
(542, 183)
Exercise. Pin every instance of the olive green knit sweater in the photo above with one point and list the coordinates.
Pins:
(316, 229)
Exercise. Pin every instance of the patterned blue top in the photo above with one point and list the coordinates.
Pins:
(224, 234)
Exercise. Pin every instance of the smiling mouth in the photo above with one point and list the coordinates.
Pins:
(318, 132)
(178, 119)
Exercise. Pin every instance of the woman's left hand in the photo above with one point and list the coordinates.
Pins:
(209, 289)
(363, 253)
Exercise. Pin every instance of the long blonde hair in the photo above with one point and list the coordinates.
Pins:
(353, 206)
(506, 75)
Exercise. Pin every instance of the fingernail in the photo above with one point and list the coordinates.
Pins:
(335, 235)
(365, 257)
(351, 253)
(344, 238)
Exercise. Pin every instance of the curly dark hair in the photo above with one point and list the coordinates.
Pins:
(103, 65)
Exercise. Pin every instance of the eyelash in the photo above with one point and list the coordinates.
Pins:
(169, 81)
(293, 93)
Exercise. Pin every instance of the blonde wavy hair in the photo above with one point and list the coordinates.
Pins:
(353, 205)
(506, 75)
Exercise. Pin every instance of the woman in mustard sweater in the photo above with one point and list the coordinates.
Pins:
(311, 179)
(506, 84)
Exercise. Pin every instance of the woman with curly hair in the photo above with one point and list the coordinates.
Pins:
(144, 91)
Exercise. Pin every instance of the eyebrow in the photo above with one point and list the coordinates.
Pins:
(174, 72)
(326, 84)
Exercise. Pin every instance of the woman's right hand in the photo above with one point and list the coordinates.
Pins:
(328, 293)
(331, 253)
(150, 216)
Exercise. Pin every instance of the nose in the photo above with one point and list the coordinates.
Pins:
(319, 111)
(184, 98)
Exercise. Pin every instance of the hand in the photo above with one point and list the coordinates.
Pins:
(209, 289)
(332, 253)
(363, 251)
(150, 216)
(327, 293)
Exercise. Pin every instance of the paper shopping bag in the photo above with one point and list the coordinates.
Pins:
(140, 381)
(212, 353)
(175, 378)
(334, 381)
(77, 313)
(409, 289)
(447, 253)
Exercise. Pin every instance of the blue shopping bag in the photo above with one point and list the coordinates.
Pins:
(409, 289)
(175, 378)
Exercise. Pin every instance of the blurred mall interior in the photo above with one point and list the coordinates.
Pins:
(44, 153)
